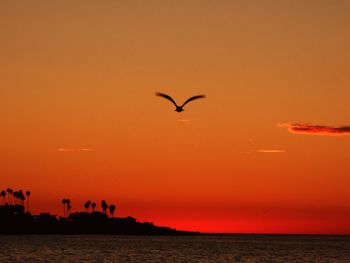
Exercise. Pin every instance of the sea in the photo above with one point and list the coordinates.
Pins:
(186, 249)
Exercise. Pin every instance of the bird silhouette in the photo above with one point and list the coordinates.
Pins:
(179, 108)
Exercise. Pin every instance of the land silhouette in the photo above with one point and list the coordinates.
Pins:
(15, 218)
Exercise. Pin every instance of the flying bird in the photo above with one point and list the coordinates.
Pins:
(179, 108)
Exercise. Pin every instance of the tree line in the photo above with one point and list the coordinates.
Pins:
(89, 207)
(11, 197)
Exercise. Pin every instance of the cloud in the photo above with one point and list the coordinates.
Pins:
(271, 151)
(183, 120)
(266, 151)
(75, 150)
(316, 129)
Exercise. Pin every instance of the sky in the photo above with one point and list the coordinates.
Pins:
(266, 152)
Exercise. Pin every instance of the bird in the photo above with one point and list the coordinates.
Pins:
(179, 108)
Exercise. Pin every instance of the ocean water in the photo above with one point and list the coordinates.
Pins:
(187, 249)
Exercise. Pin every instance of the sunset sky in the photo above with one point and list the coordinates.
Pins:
(268, 150)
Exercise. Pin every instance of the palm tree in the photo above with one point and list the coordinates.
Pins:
(68, 203)
(104, 206)
(3, 195)
(9, 195)
(21, 197)
(15, 195)
(111, 210)
(87, 205)
(28, 194)
(69, 206)
(64, 201)
(93, 205)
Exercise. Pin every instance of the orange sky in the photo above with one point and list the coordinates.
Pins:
(82, 75)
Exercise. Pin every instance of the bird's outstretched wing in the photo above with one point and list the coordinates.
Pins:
(166, 97)
(193, 98)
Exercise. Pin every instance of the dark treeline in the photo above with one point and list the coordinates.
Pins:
(15, 218)
(12, 197)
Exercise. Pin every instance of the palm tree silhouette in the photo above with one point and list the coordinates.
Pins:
(9, 195)
(28, 194)
(3, 195)
(93, 205)
(15, 195)
(69, 206)
(87, 205)
(68, 203)
(111, 210)
(64, 201)
(21, 197)
(104, 206)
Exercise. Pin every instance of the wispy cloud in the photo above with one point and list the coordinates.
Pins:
(311, 129)
(266, 151)
(271, 151)
(263, 150)
(182, 120)
(75, 150)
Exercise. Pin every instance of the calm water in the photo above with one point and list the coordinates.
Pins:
(244, 248)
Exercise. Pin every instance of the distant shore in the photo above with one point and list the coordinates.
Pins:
(14, 220)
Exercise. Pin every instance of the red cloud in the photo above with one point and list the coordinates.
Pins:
(316, 129)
